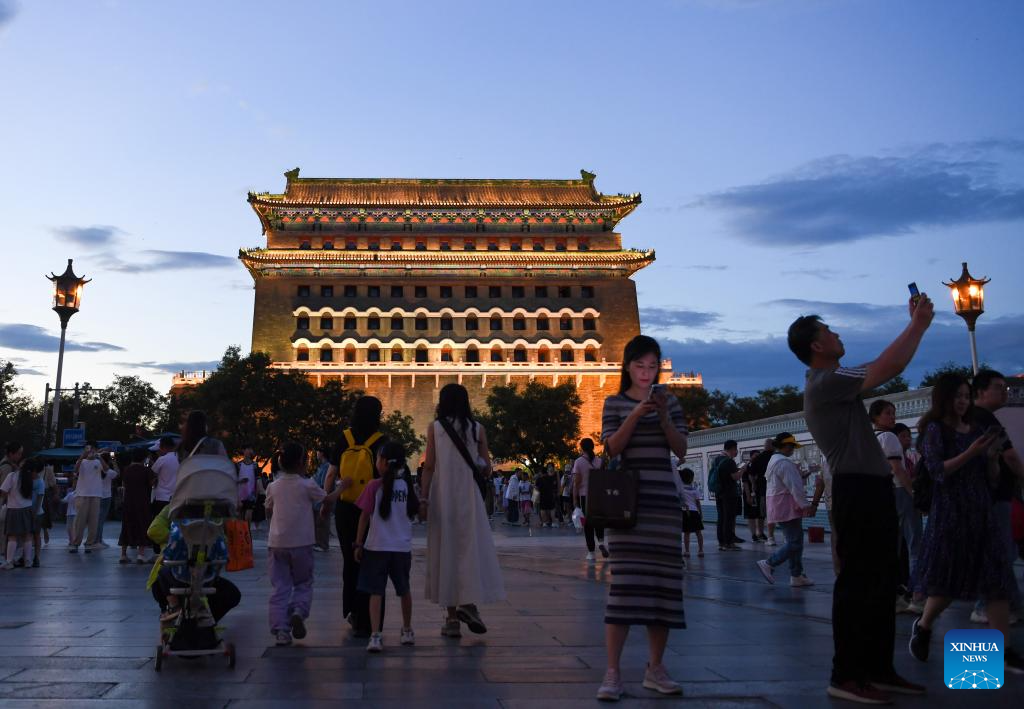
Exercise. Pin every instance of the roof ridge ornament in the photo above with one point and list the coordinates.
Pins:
(588, 177)
(292, 174)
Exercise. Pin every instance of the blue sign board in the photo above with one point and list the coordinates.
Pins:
(74, 437)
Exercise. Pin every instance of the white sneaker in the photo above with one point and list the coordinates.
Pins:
(408, 637)
(771, 542)
(766, 570)
(657, 678)
(7, 565)
(915, 607)
(979, 617)
(798, 581)
(590, 557)
(282, 638)
(376, 643)
(611, 688)
(901, 605)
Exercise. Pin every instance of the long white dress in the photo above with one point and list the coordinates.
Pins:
(462, 564)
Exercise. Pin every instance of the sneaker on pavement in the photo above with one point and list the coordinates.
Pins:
(282, 638)
(979, 617)
(657, 678)
(408, 637)
(894, 684)
(469, 615)
(451, 629)
(7, 566)
(722, 548)
(766, 570)
(919, 640)
(611, 687)
(604, 550)
(376, 643)
(298, 626)
(590, 557)
(901, 605)
(770, 542)
(800, 581)
(860, 693)
(72, 549)
(738, 540)
(915, 607)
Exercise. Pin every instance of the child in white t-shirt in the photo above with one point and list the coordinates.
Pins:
(290, 501)
(69, 500)
(384, 539)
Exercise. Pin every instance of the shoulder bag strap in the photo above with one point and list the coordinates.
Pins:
(460, 445)
(197, 446)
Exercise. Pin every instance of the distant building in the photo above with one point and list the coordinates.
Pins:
(400, 286)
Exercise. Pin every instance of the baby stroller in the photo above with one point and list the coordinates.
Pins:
(206, 493)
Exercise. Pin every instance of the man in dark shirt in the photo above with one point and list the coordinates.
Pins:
(990, 395)
(756, 472)
(727, 498)
(547, 489)
(863, 505)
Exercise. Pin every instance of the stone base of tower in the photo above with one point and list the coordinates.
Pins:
(415, 393)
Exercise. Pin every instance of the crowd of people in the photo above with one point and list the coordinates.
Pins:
(915, 525)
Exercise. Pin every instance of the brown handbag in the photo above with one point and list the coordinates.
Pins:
(612, 497)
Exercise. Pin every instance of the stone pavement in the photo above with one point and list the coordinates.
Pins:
(81, 632)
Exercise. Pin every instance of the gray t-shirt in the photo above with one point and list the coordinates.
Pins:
(839, 423)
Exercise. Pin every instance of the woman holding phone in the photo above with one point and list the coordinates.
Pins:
(644, 426)
(961, 553)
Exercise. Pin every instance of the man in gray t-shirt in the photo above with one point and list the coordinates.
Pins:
(839, 423)
(863, 506)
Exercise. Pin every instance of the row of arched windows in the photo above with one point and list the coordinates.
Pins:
(397, 323)
(397, 353)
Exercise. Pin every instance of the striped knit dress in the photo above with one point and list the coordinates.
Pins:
(646, 561)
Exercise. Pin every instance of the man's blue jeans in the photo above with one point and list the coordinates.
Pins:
(793, 549)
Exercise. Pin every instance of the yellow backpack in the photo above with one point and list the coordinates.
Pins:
(357, 463)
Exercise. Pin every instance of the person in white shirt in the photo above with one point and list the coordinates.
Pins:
(498, 491)
(90, 469)
(290, 500)
(384, 539)
(108, 494)
(787, 506)
(581, 470)
(512, 499)
(165, 477)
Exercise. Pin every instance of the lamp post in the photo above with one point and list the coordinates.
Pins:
(67, 298)
(969, 302)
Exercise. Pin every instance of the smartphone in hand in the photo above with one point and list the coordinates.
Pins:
(915, 294)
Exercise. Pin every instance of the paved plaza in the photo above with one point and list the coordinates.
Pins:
(81, 632)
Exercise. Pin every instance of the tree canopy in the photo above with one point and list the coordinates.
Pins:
(248, 402)
(20, 418)
(534, 425)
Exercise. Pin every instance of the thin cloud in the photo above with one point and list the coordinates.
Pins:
(172, 261)
(8, 9)
(664, 318)
(172, 367)
(748, 365)
(869, 315)
(32, 338)
(842, 198)
(90, 237)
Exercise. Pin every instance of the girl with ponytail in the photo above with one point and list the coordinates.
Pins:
(383, 545)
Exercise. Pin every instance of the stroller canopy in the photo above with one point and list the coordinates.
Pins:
(205, 478)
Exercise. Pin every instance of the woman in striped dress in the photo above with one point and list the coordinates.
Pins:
(645, 427)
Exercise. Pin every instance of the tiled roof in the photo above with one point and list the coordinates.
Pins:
(412, 193)
(494, 258)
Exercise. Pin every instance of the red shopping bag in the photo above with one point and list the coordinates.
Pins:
(239, 544)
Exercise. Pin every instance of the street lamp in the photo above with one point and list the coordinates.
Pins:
(969, 302)
(67, 298)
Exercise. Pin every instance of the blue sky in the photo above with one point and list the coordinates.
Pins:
(794, 156)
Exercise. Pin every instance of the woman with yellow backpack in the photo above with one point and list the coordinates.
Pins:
(351, 468)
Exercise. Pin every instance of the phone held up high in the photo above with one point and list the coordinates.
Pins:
(915, 294)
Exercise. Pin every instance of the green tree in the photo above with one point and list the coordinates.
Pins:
(893, 386)
(399, 427)
(533, 426)
(21, 419)
(949, 367)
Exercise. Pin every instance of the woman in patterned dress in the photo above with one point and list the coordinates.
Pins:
(961, 554)
(646, 561)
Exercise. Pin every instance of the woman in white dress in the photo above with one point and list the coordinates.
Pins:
(462, 564)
